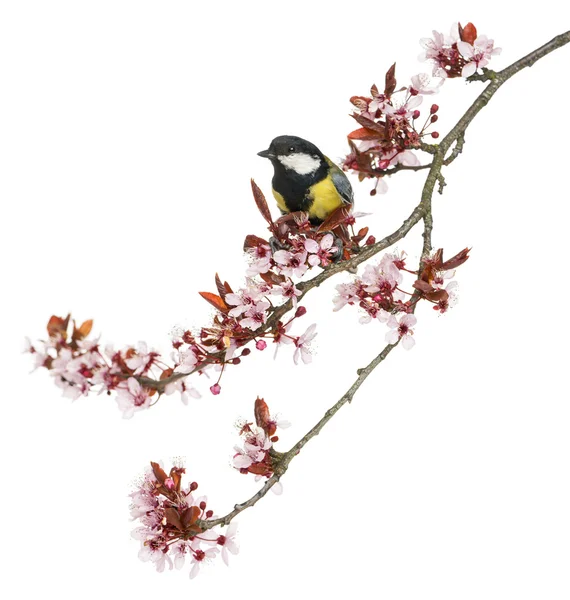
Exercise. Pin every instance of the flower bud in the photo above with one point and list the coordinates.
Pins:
(301, 310)
(216, 389)
(193, 486)
(371, 240)
(384, 164)
(434, 108)
(261, 344)
(209, 514)
(434, 118)
(435, 135)
(245, 352)
(236, 361)
(415, 114)
(373, 192)
(202, 505)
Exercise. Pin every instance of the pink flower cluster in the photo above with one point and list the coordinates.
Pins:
(460, 53)
(389, 128)
(388, 119)
(379, 294)
(256, 456)
(79, 366)
(172, 525)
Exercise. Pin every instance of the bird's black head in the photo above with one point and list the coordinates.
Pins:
(295, 154)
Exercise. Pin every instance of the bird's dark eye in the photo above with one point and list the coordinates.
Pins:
(291, 148)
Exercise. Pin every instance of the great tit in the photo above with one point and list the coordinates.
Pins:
(305, 179)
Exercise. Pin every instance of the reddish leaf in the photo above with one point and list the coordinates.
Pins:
(262, 204)
(361, 102)
(158, 472)
(222, 290)
(363, 134)
(336, 218)
(468, 33)
(83, 331)
(176, 476)
(263, 418)
(370, 124)
(390, 80)
(173, 518)
(260, 469)
(457, 260)
(273, 278)
(166, 373)
(191, 515)
(58, 325)
(252, 241)
(422, 286)
(215, 301)
(437, 295)
(360, 235)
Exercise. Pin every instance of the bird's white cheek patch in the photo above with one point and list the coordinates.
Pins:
(301, 163)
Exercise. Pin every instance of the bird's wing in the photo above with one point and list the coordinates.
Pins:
(341, 182)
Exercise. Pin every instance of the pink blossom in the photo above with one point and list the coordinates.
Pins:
(401, 330)
(477, 54)
(404, 111)
(216, 389)
(255, 447)
(303, 345)
(406, 158)
(153, 550)
(132, 398)
(321, 254)
(421, 84)
(439, 50)
(347, 294)
(199, 557)
(291, 264)
(374, 312)
(261, 262)
(226, 541)
(243, 300)
(255, 316)
(142, 360)
(188, 362)
(288, 290)
(261, 344)
(181, 551)
(186, 390)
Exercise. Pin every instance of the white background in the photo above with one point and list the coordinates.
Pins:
(129, 132)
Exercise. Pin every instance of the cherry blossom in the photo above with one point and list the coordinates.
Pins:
(131, 398)
(290, 264)
(421, 84)
(226, 541)
(303, 345)
(477, 54)
(401, 330)
(321, 254)
(184, 388)
(199, 557)
(256, 315)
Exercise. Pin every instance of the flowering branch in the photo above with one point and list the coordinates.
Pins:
(284, 459)
(420, 212)
(174, 522)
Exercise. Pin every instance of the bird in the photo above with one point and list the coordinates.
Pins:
(304, 179)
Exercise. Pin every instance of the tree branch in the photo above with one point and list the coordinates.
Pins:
(423, 211)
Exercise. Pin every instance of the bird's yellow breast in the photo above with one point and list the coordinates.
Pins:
(325, 198)
(280, 201)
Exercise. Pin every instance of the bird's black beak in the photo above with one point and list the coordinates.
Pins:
(266, 154)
